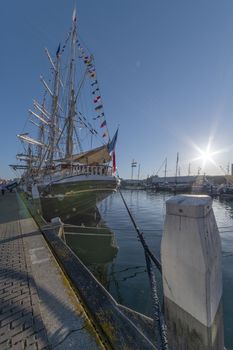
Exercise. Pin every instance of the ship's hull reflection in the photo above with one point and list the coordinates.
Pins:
(95, 246)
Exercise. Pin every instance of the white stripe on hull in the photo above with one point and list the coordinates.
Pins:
(78, 178)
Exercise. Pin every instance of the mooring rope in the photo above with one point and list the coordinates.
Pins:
(158, 318)
(161, 329)
(140, 236)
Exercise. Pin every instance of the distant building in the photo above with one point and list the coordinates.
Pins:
(171, 179)
(132, 184)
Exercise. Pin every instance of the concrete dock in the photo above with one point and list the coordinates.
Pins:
(38, 308)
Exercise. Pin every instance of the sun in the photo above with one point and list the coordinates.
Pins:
(206, 156)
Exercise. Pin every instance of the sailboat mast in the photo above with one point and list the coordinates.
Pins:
(71, 92)
(165, 170)
(139, 168)
(177, 164)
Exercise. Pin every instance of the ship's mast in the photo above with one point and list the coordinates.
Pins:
(41, 135)
(71, 91)
(41, 138)
(53, 134)
(29, 161)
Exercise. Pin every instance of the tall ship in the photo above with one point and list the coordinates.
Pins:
(68, 161)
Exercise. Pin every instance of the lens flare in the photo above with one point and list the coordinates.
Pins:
(207, 155)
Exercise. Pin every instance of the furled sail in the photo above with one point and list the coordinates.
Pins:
(39, 117)
(18, 167)
(41, 109)
(26, 157)
(28, 139)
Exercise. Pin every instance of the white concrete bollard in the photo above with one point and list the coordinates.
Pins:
(59, 226)
(192, 274)
(35, 192)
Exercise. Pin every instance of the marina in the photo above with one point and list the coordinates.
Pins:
(90, 257)
(119, 263)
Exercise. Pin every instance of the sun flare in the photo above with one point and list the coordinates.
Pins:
(206, 156)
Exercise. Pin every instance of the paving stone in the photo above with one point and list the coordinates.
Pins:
(22, 284)
(21, 325)
(4, 345)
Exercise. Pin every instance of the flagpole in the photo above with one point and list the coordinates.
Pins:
(133, 165)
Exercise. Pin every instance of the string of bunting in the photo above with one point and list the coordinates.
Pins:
(60, 50)
(66, 41)
(98, 106)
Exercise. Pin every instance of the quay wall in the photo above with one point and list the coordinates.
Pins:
(118, 326)
(112, 320)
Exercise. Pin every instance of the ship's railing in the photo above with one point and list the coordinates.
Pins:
(91, 170)
(75, 170)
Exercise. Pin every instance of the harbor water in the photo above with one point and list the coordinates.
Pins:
(118, 261)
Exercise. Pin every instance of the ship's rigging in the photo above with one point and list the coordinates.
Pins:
(63, 128)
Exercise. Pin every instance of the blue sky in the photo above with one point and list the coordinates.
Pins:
(165, 69)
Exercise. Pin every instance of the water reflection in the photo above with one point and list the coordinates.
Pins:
(95, 246)
(128, 279)
(86, 233)
(122, 271)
